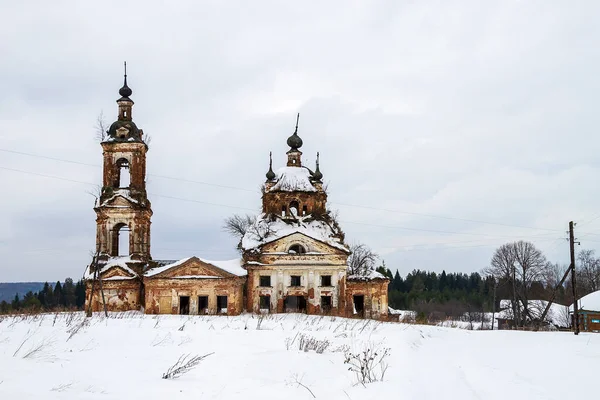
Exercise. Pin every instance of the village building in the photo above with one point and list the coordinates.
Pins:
(294, 257)
(589, 312)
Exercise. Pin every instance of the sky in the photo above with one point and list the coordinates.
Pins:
(445, 129)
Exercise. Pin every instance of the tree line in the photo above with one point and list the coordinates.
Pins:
(518, 272)
(68, 295)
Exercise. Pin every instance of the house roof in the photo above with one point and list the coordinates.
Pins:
(557, 314)
(589, 302)
(233, 267)
(370, 276)
(114, 262)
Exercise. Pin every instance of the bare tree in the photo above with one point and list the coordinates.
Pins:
(521, 264)
(588, 272)
(101, 127)
(362, 259)
(237, 225)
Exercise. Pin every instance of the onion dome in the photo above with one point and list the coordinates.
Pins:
(270, 174)
(317, 175)
(294, 141)
(125, 91)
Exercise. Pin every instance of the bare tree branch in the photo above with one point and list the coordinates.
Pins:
(238, 225)
(362, 260)
(101, 127)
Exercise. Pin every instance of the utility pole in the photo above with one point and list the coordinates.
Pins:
(573, 279)
(494, 303)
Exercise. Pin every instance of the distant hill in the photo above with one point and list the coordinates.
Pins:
(9, 289)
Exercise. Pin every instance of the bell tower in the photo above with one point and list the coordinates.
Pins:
(123, 209)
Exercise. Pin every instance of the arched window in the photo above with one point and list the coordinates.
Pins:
(296, 249)
(123, 173)
(294, 208)
(120, 240)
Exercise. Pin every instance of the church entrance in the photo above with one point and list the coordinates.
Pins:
(294, 304)
(184, 305)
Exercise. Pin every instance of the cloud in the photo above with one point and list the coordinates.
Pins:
(443, 121)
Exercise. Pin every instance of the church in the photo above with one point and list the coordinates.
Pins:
(293, 254)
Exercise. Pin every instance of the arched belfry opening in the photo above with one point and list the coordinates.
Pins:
(121, 245)
(123, 173)
(294, 208)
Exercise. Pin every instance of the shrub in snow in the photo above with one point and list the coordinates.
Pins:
(184, 364)
(368, 365)
(307, 343)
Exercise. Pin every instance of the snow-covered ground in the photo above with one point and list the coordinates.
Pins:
(124, 357)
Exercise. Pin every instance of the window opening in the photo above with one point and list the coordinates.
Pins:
(265, 281)
(304, 211)
(120, 240)
(283, 211)
(294, 207)
(325, 280)
(124, 175)
(295, 280)
(296, 249)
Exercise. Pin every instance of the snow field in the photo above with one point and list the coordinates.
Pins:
(65, 356)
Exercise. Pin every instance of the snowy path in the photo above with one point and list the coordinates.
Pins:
(120, 358)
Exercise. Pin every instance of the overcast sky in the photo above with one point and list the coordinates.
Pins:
(446, 128)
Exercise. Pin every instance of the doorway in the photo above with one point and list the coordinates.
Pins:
(184, 305)
(359, 304)
(202, 304)
(294, 304)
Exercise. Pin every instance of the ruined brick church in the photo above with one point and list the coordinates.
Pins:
(293, 256)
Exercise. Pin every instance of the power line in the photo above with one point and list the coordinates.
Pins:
(249, 209)
(332, 202)
(445, 217)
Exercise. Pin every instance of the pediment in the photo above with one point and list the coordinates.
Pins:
(311, 245)
(193, 267)
(119, 201)
(116, 272)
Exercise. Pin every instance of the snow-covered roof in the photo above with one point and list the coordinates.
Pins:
(557, 315)
(369, 276)
(590, 302)
(290, 179)
(162, 268)
(112, 262)
(232, 266)
(266, 231)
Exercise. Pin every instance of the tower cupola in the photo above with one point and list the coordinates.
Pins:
(124, 129)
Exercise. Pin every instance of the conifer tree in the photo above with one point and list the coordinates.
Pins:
(69, 293)
(59, 298)
(16, 303)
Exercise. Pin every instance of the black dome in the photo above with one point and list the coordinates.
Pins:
(294, 141)
(125, 91)
(132, 130)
